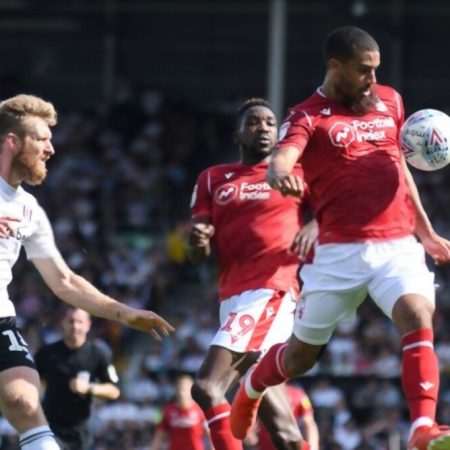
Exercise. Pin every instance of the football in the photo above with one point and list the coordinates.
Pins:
(425, 139)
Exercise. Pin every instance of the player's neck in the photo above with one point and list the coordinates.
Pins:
(329, 91)
(253, 159)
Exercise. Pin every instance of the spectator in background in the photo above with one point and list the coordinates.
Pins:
(25, 147)
(75, 369)
(235, 211)
(183, 424)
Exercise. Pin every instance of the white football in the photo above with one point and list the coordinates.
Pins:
(425, 139)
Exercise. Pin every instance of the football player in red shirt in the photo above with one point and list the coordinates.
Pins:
(369, 211)
(252, 228)
(182, 423)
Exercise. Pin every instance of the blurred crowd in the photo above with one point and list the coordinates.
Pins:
(118, 195)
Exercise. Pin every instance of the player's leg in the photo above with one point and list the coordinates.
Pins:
(221, 369)
(276, 414)
(404, 290)
(19, 403)
(331, 292)
(19, 390)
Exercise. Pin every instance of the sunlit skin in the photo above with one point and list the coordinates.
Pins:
(350, 82)
(29, 164)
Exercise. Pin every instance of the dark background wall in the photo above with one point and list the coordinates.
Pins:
(75, 51)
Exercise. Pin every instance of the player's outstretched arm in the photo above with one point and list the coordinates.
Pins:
(78, 292)
(279, 174)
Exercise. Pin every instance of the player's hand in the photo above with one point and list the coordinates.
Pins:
(304, 239)
(438, 248)
(287, 184)
(148, 322)
(201, 234)
(6, 229)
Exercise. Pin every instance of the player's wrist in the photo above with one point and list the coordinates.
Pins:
(91, 389)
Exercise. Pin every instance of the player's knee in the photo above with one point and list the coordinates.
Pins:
(206, 393)
(21, 409)
(412, 313)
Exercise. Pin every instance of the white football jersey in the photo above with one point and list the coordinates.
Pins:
(33, 231)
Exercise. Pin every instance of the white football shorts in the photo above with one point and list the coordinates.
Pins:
(255, 320)
(342, 275)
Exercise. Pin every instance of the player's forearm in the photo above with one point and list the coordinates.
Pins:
(282, 162)
(107, 391)
(424, 228)
(78, 292)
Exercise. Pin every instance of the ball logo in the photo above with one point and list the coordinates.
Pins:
(225, 194)
(341, 134)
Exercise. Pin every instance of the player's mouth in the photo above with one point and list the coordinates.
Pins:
(366, 91)
(264, 140)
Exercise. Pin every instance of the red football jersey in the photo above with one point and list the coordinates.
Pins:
(301, 407)
(352, 165)
(184, 427)
(254, 227)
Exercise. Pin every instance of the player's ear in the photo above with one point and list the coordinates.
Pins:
(333, 64)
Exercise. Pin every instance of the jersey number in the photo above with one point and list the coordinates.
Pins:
(18, 343)
(246, 322)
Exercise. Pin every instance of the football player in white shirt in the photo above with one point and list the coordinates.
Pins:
(25, 147)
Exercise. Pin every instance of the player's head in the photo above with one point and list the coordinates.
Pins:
(183, 387)
(25, 122)
(76, 325)
(352, 56)
(256, 130)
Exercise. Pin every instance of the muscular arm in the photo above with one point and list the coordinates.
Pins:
(78, 292)
(424, 229)
(279, 172)
(200, 240)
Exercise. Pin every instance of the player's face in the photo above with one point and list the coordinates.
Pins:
(354, 80)
(37, 148)
(76, 325)
(258, 131)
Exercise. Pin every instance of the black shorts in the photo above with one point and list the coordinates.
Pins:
(77, 437)
(13, 348)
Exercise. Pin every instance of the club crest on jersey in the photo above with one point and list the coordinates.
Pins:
(226, 193)
(341, 134)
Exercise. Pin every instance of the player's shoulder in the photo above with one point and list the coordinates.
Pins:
(316, 104)
(220, 171)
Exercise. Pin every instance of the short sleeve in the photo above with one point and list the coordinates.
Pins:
(201, 196)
